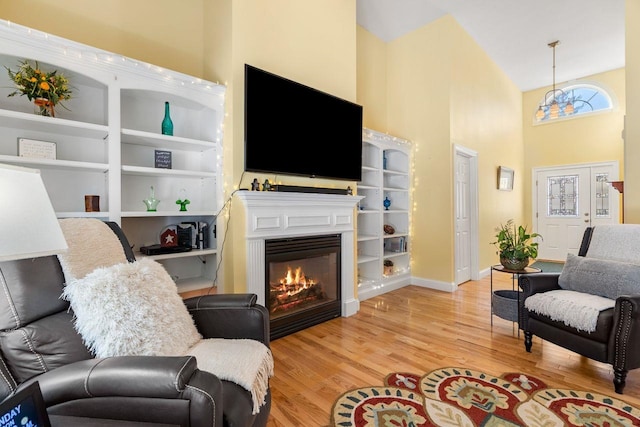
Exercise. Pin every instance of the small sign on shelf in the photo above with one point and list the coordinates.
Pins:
(163, 159)
(36, 149)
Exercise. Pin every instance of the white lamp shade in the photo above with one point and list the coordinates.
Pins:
(28, 224)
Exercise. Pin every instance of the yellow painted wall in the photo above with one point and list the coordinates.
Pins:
(166, 33)
(443, 89)
(588, 139)
(418, 110)
(486, 107)
(372, 79)
(632, 130)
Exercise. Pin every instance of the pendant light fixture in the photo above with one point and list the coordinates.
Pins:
(556, 102)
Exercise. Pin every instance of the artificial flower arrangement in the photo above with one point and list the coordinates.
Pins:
(45, 89)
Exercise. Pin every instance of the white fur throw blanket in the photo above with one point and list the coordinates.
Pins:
(576, 309)
(134, 309)
(92, 244)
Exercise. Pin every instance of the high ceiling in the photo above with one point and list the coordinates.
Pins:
(516, 33)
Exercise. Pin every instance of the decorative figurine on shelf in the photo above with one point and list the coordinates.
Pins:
(349, 191)
(167, 124)
(151, 202)
(255, 185)
(266, 186)
(384, 160)
(388, 267)
(386, 202)
(183, 201)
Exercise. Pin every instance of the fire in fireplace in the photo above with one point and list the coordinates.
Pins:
(294, 291)
(302, 282)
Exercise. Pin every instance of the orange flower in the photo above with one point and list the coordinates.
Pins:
(44, 86)
(33, 80)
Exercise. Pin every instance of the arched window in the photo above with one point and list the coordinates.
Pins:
(572, 101)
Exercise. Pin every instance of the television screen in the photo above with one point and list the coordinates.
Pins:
(293, 129)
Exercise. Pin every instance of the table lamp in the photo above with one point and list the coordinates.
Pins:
(28, 224)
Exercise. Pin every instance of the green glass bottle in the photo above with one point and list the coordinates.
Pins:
(167, 124)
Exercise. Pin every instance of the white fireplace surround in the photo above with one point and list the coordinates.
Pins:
(276, 215)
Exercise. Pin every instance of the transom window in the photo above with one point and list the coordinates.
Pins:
(573, 101)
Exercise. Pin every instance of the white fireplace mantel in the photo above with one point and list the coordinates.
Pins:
(275, 215)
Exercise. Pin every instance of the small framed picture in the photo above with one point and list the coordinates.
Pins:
(505, 178)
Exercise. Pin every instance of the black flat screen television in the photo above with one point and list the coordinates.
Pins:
(293, 129)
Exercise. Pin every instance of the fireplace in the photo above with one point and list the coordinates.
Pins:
(274, 216)
(302, 285)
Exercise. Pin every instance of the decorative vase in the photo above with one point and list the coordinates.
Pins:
(151, 202)
(45, 107)
(514, 264)
(386, 202)
(167, 124)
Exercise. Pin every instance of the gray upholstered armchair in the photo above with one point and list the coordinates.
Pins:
(593, 306)
(38, 342)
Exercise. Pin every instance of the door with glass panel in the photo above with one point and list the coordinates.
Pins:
(569, 199)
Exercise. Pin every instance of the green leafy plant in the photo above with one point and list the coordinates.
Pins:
(515, 242)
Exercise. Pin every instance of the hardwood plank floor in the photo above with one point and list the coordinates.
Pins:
(414, 329)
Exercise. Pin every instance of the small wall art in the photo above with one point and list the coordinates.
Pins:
(505, 178)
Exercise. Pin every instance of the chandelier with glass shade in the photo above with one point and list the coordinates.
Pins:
(556, 102)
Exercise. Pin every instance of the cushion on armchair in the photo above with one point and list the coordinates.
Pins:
(605, 278)
(579, 310)
(131, 309)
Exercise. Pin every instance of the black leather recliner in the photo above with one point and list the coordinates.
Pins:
(615, 340)
(39, 343)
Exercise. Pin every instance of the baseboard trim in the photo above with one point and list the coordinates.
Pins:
(434, 284)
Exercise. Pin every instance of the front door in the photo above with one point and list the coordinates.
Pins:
(569, 199)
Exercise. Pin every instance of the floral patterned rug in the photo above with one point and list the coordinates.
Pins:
(464, 397)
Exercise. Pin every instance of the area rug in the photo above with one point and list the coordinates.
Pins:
(468, 398)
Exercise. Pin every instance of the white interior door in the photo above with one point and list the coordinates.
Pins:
(567, 200)
(466, 208)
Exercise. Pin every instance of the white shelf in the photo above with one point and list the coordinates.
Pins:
(366, 237)
(80, 214)
(394, 172)
(377, 182)
(55, 164)
(193, 284)
(19, 120)
(105, 141)
(191, 253)
(367, 258)
(145, 214)
(131, 136)
(158, 172)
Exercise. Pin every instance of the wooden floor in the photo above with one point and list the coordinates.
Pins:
(417, 330)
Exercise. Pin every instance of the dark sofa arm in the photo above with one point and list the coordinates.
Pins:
(538, 282)
(626, 333)
(532, 284)
(135, 388)
(230, 316)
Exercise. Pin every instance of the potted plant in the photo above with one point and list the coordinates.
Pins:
(515, 245)
(45, 88)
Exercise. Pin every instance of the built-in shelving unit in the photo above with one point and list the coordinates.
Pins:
(106, 139)
(386, 174)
